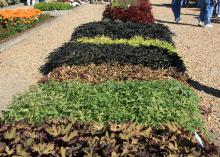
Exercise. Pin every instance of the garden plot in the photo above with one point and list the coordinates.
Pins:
(154, 103)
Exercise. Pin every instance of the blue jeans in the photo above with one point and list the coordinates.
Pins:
(215, 8)
(207, 7)
(176, 7)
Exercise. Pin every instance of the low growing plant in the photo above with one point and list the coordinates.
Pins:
(76, 53)
(49, 6)
(66, 137)
(115, 30)
(148, 102)
(136, 41)
(101, 73)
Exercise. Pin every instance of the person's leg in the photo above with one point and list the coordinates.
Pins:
(218, 8)
(202, 11)
(209, 12)
(176, 7)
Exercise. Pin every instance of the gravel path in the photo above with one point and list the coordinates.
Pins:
(19, 65)
(200, 50)
(199, 47)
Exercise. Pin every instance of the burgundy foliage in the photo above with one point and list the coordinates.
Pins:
(140, 13)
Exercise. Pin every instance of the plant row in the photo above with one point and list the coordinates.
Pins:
(67, 137)
(147, 102)
(118, 72)
(136, 41)
(18, 20)
(116, 30)
(45, 6)
(77, 53)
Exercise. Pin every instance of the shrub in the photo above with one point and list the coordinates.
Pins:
(127, 30)
(67, 137)
(83, 54)
(53, 6)
(140, 13)
(101, 73)
(152, 103)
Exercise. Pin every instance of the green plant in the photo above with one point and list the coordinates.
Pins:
(67, 137)
(53, 6)
(152, 103)
(135, 41)
(101, 73)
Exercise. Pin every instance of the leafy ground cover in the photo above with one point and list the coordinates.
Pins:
(66, 137)
(116, 30)
(76, 53)
(148, 102)
(135, 41)
(10, 28)
(139, 12)
(49, 6)
(101, 73)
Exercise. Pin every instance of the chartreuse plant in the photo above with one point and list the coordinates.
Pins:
(135, 41)
(148, 102)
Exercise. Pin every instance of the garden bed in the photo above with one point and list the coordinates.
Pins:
(48, 18)
(15, 21)
(117, 74)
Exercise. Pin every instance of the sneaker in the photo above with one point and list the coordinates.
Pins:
(177, 20)
(208, 25)
(201, 23)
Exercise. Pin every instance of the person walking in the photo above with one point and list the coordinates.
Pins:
(207, 7)
(176, 8)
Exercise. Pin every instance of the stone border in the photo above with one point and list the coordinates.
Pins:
(24, 35)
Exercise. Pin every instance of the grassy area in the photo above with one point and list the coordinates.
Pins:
(147, 102)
